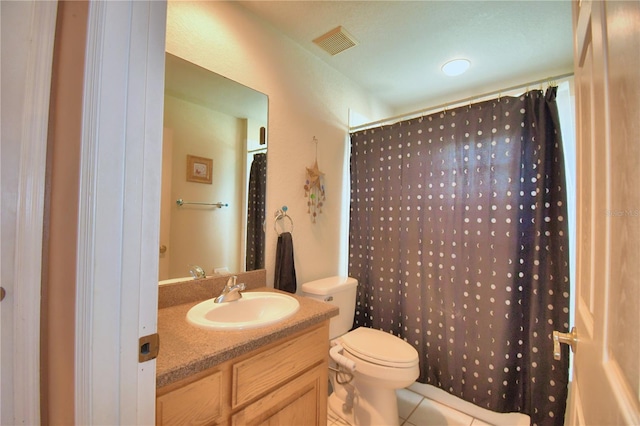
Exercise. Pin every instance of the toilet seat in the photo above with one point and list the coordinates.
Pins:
(379, 347)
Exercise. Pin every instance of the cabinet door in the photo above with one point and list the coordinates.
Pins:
(301, 402)
(259, 374)
(198, 403)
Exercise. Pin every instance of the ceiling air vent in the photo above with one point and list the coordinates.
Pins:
(335, 41)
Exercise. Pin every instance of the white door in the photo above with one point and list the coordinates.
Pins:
(606, 382)
(27, 33)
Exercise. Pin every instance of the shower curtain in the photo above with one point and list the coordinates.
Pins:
(458, 239)
(255, 213)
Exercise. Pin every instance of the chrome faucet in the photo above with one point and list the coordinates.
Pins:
(231, 291)
(197, 272)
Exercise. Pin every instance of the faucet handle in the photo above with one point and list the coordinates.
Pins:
(231, 291)
(197, 272)
(231, 281)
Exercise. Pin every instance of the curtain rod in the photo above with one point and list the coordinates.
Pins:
(420, 112)
(257, 150)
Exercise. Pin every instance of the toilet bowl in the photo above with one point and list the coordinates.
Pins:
(377, 362)
(383, 363)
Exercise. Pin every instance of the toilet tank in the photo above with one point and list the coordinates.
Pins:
(339, 291)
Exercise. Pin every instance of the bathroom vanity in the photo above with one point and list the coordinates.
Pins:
(270, 375)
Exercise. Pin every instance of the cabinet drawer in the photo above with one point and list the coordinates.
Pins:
(264, 372)
(199, 402)
(302, 402)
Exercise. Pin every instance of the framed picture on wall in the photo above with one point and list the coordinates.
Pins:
(199, 169)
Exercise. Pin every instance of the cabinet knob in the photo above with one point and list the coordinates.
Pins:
(163, 249)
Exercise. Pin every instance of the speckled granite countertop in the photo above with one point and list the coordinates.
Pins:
(186, 350)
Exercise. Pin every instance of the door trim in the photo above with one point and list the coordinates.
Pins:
(119, 218)
(30, 213)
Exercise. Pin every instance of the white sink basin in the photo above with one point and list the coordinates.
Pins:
(254, 309)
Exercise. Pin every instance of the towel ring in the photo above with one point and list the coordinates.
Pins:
(281, 215)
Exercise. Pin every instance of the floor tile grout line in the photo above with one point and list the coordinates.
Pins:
(336, 421)
(446, 405)
(415, 407)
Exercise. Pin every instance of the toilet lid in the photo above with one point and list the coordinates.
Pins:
(379, 347)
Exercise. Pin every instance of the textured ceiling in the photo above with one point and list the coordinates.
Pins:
(403, 44)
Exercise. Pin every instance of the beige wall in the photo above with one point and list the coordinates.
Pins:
(61, 216)
(205, 236)
(307, 98)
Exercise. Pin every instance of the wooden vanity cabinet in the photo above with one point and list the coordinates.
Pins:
(194, 401)
(283, 383)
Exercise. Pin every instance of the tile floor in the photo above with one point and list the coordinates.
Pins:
(417, 407)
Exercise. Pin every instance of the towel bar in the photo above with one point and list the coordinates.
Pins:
(180, 202)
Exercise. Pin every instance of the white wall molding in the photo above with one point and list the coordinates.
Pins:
(30, 213)
(86, 213)
(119, 215)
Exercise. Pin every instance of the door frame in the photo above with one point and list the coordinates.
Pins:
(121, 166)
(33, 35)
(119, 215)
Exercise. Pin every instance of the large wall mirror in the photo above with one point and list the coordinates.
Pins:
(214, 161)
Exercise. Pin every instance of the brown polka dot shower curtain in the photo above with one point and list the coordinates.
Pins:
(458, 239)
(254, 258)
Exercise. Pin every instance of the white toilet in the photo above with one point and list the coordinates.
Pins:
(381, 362)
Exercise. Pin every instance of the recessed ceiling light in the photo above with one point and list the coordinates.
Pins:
(456, 67)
